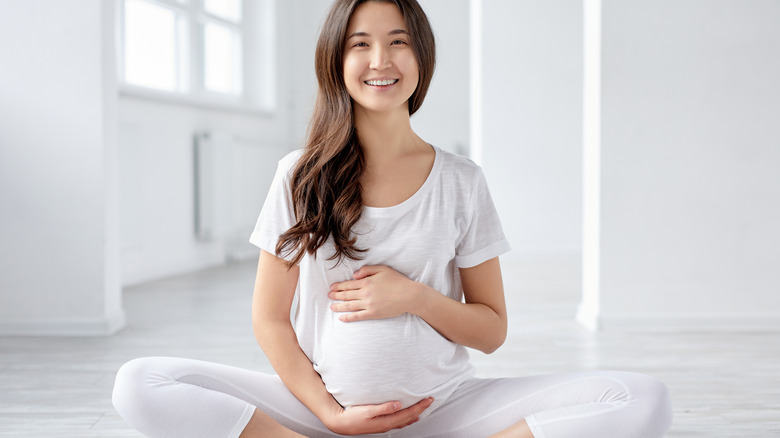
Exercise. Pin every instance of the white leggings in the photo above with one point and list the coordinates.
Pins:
(172, 397)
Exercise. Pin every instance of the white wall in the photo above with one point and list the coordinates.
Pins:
(443, 120)
(532, 122)
(304, 21)
(690, 159)
(59, 253)
(156, 168)
(157, 182)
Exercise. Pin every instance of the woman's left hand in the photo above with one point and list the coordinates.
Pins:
(376, 292)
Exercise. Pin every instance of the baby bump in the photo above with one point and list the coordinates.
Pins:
(370, 362)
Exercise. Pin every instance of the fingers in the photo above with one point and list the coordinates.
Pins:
(394, 408)
(352, 308)
(381, 418)
(347, 306)
(386, 408)
(421, 405)
(345, 285)
(343, 295)
(350, 304)
(360, 315)
(404, 417)
(360, 274)
(367, 271)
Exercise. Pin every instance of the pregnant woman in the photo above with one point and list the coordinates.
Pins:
(392, 245)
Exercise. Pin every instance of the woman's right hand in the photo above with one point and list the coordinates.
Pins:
(365, 419)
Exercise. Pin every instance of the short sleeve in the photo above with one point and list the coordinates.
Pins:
(277, 215)
(483, 238)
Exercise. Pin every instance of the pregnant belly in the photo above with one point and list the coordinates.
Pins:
(376, 361)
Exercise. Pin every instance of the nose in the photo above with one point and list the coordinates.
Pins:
(380, 58)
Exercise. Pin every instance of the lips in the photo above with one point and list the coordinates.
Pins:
(381, 82)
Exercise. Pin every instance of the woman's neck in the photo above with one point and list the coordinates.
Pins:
(386, 136)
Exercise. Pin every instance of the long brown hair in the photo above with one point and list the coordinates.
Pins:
(325, 184)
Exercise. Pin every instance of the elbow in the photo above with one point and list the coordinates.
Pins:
(492, 347)
(259, 331)
(262, 328)
(494, 342)
(488, 350)
(268, 328)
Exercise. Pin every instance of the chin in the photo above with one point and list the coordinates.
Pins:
(380, 109)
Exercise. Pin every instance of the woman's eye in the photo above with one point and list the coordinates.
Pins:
(360, 44)
(399, 42)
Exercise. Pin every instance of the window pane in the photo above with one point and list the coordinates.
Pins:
(150, 45)
(227, 9)
(222, 59)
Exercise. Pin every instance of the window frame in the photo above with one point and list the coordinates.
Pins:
(257, 39)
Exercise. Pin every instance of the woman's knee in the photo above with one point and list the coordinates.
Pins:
(655, 400)
(133, 384)
(663, 404)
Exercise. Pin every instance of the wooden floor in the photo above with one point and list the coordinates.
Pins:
(723, 384)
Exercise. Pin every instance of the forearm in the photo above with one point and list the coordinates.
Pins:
(378, 292)
(474, 325)
(278, 341)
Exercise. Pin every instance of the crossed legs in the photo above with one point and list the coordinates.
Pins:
(171, 397)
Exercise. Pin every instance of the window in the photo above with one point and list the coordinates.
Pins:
(195, 49)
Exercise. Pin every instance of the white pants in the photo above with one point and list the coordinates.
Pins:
(172, 397)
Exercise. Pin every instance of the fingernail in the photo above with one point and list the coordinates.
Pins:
(396, 406)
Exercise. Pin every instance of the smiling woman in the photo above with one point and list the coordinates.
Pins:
(380, 69)
(393, 246)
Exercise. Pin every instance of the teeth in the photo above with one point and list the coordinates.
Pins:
(382, 83)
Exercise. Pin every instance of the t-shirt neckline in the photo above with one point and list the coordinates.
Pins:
(413, 200)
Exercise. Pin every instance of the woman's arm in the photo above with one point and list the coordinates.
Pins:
(480, 322)
(381, 292)
(273, 297)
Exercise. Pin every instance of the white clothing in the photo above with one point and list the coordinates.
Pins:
(449, 223)
(173, 397)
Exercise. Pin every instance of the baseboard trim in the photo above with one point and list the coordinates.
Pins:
(70, 327)
(690, 323)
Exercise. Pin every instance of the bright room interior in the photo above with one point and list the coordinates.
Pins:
(631, 149)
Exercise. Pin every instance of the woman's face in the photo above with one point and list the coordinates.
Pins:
(380, 69)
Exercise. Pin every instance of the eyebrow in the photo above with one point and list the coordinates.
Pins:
(392, 32)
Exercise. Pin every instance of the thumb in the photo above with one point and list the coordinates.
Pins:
(365, 271)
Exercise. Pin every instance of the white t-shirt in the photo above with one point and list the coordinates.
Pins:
(449, 223)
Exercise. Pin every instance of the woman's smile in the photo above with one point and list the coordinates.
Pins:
(380, 68)
(382, 83)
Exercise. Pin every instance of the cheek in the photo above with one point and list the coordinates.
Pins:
(412, 73)
(352, 69)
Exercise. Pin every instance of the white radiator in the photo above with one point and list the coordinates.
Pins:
(231, 179)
